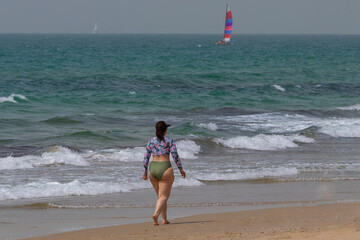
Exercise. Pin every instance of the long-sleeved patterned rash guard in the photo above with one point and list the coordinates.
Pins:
(157, 148)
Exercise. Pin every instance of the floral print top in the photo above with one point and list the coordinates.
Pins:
(157, 148)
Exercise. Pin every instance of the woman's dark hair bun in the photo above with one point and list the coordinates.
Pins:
(161, 127)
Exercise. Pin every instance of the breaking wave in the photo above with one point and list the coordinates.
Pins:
(123, 155)
(264, 142)
(12, 98)
(278, 87)
(54, 155)
(78, 188)
(210, 126)
(188, 149)
(350, 131)
(355, 107)
(57, 189)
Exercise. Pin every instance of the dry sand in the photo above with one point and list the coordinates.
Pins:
(325, 222)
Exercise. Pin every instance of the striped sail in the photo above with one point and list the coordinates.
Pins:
(228, 24)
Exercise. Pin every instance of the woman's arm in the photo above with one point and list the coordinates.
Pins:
(176, 158)
(175, 154)
(147, 156)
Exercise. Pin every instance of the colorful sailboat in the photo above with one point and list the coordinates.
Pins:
(228, 27)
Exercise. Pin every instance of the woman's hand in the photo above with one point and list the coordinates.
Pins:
(183, 173)
(145, 177)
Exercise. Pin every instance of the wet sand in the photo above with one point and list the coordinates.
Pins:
(330, 222)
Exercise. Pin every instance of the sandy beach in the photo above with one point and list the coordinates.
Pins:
(334, 221)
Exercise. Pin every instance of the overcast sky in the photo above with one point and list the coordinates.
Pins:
(180, 16)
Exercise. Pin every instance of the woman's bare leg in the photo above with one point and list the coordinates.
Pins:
(164, 215)
(155, 183)
(165, 185)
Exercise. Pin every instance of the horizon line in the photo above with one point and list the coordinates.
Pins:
(89, 33)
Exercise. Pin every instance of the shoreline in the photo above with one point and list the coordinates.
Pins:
(332, 221)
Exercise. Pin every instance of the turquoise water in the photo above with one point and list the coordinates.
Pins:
(77, 110)
(103, 90)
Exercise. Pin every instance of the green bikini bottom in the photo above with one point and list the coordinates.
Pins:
(157, 169)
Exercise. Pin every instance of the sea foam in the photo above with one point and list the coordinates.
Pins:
(341, 131)
(355, 107)
(210, 126)
(264, 142)
(187, 182)
(73, 188)
(188, 149)
(272, 122)
(249, 174)
(341, 127)
(278, 123)
(135, 154)
(278, 87)
(12, 97)
(54, 155)
(42, 189)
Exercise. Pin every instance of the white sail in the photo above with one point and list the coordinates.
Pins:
(95, 30)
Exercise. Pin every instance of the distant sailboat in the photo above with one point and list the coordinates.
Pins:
(228, 27)
(95, 30)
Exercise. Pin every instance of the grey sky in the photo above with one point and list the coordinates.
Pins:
(179, 16)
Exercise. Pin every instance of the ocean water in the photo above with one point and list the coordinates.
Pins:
(77, 111)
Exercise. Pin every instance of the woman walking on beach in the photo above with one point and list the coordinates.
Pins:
(161, 173)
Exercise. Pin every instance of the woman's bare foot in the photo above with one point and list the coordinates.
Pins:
(155, 218)
(166, 222)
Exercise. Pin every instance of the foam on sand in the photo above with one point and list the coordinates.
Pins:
(187, 182)
(264, 142)
(249, 174)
